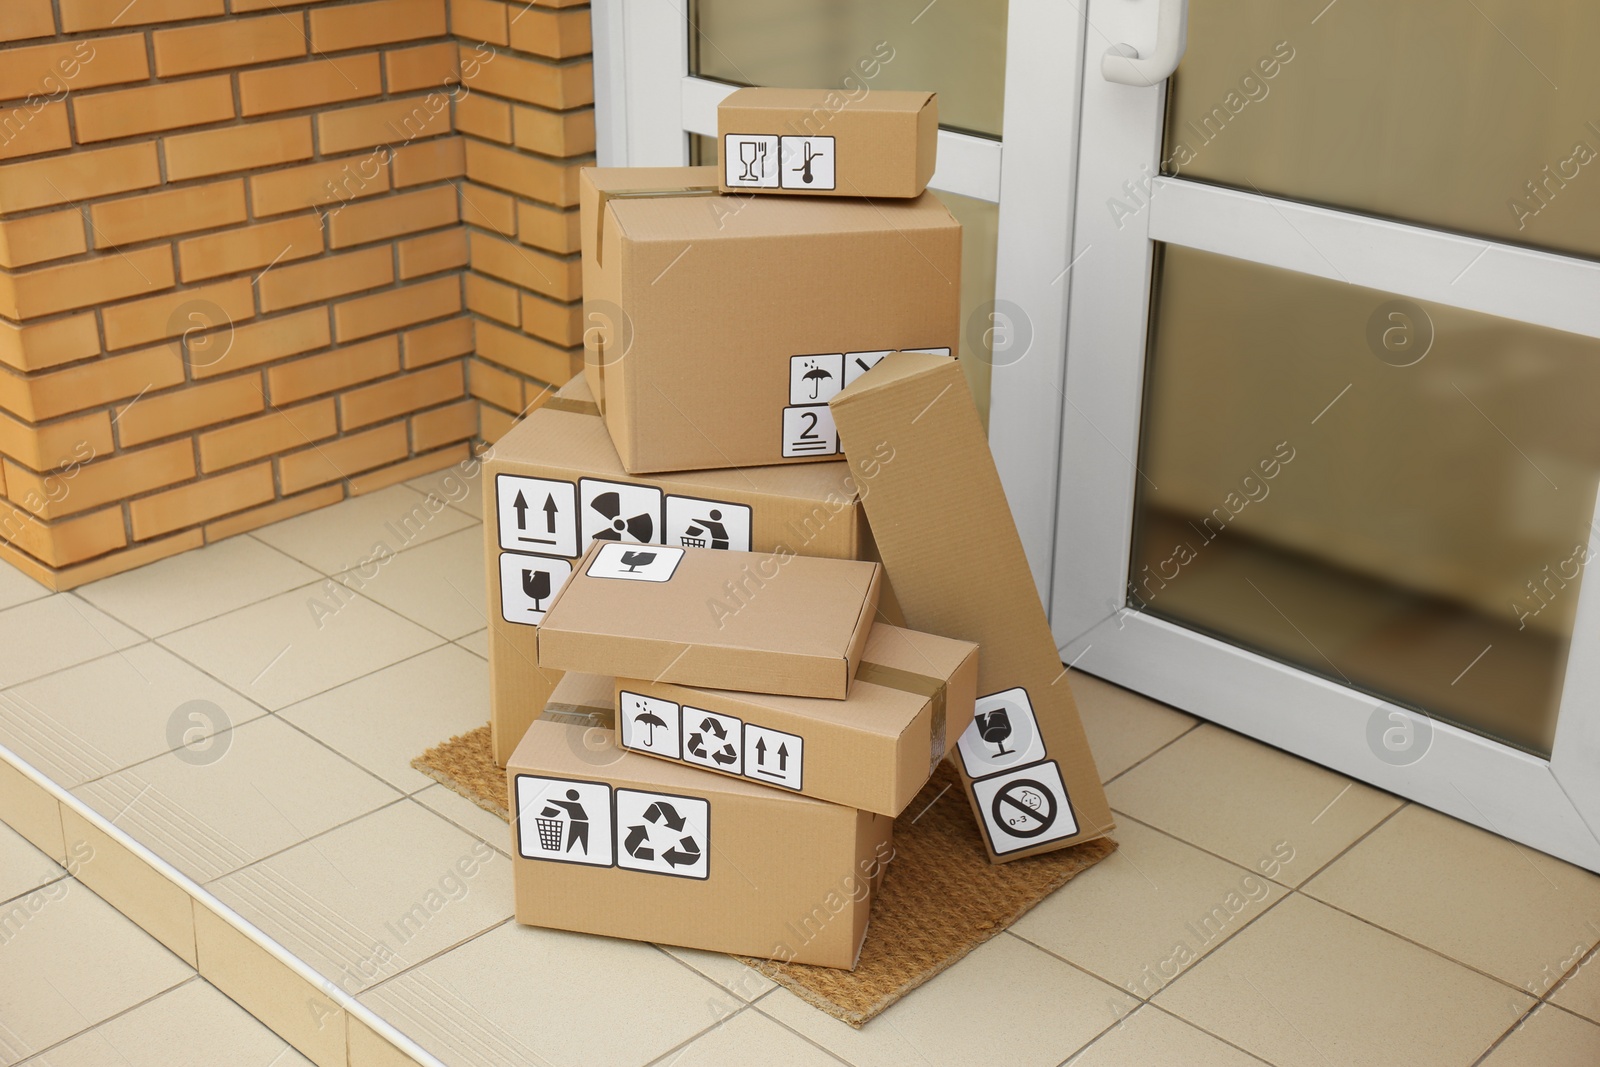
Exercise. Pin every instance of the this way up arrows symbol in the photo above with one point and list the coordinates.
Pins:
(521, 504)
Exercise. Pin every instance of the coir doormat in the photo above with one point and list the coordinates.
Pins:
(941, 898)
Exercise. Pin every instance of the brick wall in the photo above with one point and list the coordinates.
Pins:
(258, 255)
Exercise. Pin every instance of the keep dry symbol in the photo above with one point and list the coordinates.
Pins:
(651, 722)
(685, 851)
(816, 374)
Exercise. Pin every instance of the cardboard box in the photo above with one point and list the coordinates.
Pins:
(753, 621)
(719, 326)
(564, 450)
(817, 142)
(670, 854)
(873, 751)
(946, 536)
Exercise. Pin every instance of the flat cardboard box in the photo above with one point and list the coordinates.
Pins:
(719, 326)
(674, 855)
(819, 142)
(766, 622)
(873, 751)
(947, 539)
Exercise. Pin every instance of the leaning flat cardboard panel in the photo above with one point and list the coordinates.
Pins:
(947, 539)
(553, 482)
(752, 621)
(872, 751)
(610, 842)
(820, 142)
(719, 326)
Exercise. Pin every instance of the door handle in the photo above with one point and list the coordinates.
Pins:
(1122, 63)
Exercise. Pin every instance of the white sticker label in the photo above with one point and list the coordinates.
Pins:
(563, 820)
(809, 431)
(1003, 734)
(649, 724)
(617, 511)
(815, 379)
(807, 162)
(695, 523)
(945, 352)
(858, 363)
(750, 160)
(773, 756)
(527, 585)
(1025, 808)
(537, 515)
(712, 740)
(663, 834)
(650, 564)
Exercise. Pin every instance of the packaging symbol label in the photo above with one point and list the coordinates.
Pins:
(654, 563)
(663, 833)
(713, 740)
(809, 431)
(808, 163)
(695, 523)
(618, 511)
(1004, 734)
(815, 379)
(773, 756)
(527, 584)
(564, 820)
(750, 160)
(1024, 808)
(537, 515)
(650, 724)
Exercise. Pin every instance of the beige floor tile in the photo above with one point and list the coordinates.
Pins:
(96, 718)
(72, 963)
(1581, 992)
(388, 718)
(456, 488)
(1007, 1003)
(476, 643)
(53, 632)
(746, 1038)
(744, 982)
(17, 588)
(1148, 911)
(1448, 885)
(439, 585)
(23, 868)
(1123, 726)
(190, 1026)
(194, 586)
(366, 901)
(269, 787)
(1152, 1038)
(1308, 986)
(346, 535)
(295, 645)
(520, 995)
(484, 825)
(1248, 802)
(1548, 1038)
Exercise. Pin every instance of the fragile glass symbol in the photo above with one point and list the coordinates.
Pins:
(536, 586)
(994, 727)
(634, 560)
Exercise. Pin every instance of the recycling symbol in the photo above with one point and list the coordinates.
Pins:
(682, 852)
(725, 756)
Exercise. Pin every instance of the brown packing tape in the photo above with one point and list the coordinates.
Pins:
(921, 685)
(608, 195)
(575, 406)
(602, 716)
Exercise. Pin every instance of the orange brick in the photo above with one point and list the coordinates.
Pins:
(59, 544)
(192, 504)
(245, 6)
(556, 34)
(483, 116)
(494, 423)
(226, 45)
(432, 66)
(322, 81)
(83, 175)
(128, 112)
(479, 20)
(526, 355)
(177, 313)
(104, 480)
(377, 220)
(336, 181)
(262, 342)
(142, 218)
(548, 228)
(107, 14)
(531, 81)
(85, 283)
(56, 445)
(380, 22)
(342, 458)
(441, 341)
(40, 238)
(49, 344)
(332, 371)
(325, 278)
(281, 430)
(97, 383)
(529, 176)
(560, 324)
(554, 276)
(392, 122)
(405, 471)
(488, 208)
(497, 300)
(29, 132)
(268, 245)
(259, 144)
(555, 133)
(494, 386)
(188, 408)
(443, 426)
(22, 19)
(432, 253)
(406, 306)
(256, 518)
(429, 161)
(401, 396)
(53, 69)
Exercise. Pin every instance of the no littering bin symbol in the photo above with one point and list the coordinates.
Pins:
(1025, 808)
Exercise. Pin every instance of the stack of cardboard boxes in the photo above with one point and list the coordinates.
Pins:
(714, 685)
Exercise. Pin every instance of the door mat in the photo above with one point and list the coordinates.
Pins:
(941, 898)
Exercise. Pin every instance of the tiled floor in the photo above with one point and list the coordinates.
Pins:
(252, 721)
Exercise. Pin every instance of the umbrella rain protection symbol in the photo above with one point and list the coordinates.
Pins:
(650, 721)
(815, 375)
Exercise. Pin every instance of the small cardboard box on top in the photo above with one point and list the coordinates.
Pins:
(719, 326)
(946, 536)
(769, 622)
(818, 142)
(607, 841)
(872, 751)
(553, 482)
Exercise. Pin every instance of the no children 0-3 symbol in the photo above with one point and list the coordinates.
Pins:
(1025, 807)
(660, 833)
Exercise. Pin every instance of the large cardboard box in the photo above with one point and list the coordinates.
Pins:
(611, 842)
(767, 622)
(719, 326)
(873, 751)
(818, 142)
(947, 539)
(560, 463)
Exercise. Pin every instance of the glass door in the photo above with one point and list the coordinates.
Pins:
(1330, 444)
